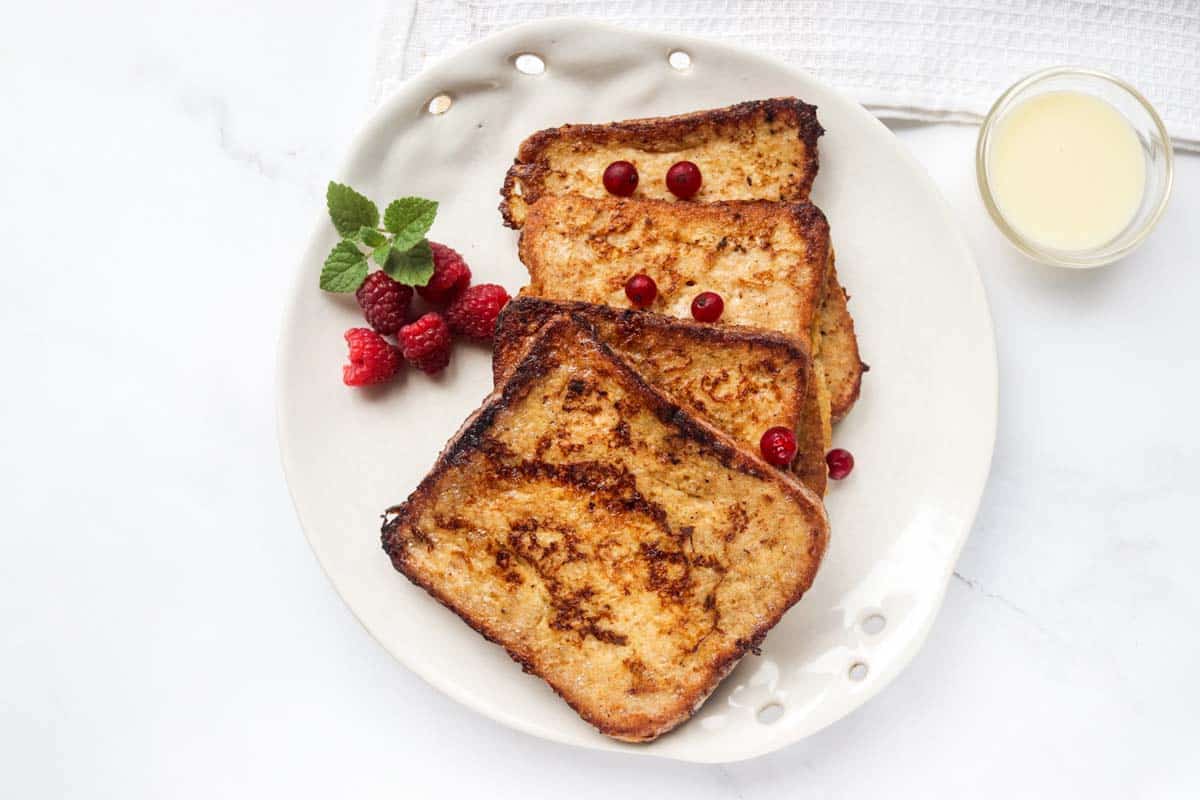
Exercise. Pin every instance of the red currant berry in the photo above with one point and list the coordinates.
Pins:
(683, 179)
(641, 290)
(778, 446)
(840, 463)
(707, 307)
(620, 178)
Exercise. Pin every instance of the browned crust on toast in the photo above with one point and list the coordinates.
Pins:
(838, 350)
(567, 340)
(812, 438)
(622, 329)
(676, 135)
(525, 314)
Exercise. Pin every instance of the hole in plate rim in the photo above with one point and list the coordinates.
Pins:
(528, 63)
(770, 712)
(439, 104)
(873, 623)
(679, 60)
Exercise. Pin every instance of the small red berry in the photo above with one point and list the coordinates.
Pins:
(473, 313)
(778, 446)
(426, 343)
(384, 302)
(840, 463)
(707, 307)
(620, 178)
(450, 275)
(683, 179)
(372, 358)
(641, 290)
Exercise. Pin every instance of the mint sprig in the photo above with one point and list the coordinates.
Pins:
(371, 237)
(399, 248)
(349, 210)
(345, 269)
(408, 219)
(409, 267)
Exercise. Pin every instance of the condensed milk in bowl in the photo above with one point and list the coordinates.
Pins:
(1075, 166)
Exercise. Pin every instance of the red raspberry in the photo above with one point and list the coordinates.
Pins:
(450, 275)
(473, 313)
(384, 302)
(372, 358)
(426, 343)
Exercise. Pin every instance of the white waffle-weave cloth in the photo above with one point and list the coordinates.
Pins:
(921, 60)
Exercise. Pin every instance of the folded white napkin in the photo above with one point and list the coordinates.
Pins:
(923, 60)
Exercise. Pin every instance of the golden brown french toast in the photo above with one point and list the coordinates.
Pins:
(743, 380)
(759, 150)
(624, 550)
(766, 260)
(837, 347)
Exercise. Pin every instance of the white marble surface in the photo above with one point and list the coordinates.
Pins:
(165, 631)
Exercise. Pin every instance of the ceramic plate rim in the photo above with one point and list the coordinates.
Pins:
(424, 87)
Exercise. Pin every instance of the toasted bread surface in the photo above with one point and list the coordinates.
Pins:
(838, 347)
(766, 260)
(743, 380)
(814, 433)
(759, 150)
(622, 549)
(764, 149)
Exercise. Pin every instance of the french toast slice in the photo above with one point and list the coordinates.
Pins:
(758, 150)
(743, 380)
(622, 549)
(837, 347)
(766, 260)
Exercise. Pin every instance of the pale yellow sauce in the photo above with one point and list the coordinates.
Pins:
(1067, 170)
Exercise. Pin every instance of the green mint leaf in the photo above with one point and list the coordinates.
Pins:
(349, 210)
(381, 253)
(370, 237)
(409, 218)
(412, 267)
(345, 268)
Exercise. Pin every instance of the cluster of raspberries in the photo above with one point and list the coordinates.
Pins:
(469, 311)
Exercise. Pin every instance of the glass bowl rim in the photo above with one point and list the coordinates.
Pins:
(1061, 258)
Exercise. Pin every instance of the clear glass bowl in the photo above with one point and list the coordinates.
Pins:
(1156, 145)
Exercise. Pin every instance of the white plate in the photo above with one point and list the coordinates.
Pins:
(922, 434)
